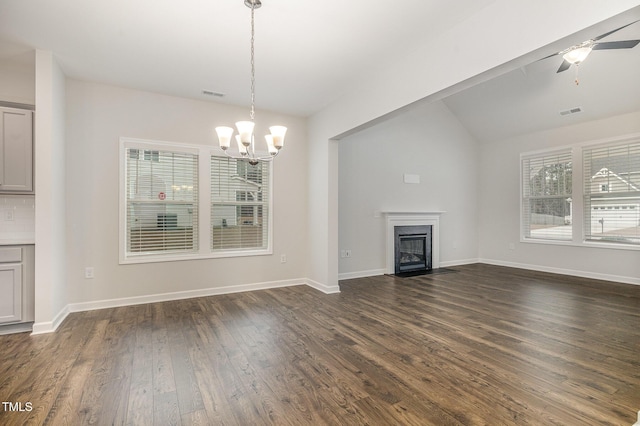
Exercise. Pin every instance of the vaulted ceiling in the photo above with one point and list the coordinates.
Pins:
(535, 97)
(308, 54)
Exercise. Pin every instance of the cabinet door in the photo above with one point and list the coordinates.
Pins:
(16, 153)
(10, 293)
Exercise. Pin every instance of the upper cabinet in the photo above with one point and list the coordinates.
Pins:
(16, 150)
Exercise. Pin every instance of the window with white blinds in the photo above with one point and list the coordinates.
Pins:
(161, 196)
(612, 193)
(240, 205)
(546, 196)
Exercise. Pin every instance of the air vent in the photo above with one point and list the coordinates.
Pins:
(570, 111)
(212, 93)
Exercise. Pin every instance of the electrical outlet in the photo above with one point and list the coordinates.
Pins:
(88, 272)
(512, 246)
(8, 215)
(347, 253)
(283, 258)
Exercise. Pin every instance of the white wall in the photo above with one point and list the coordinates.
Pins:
(50, 215)
(97, 116)
(17, 78)
(436, 66)
(430, 142)
(500, 206)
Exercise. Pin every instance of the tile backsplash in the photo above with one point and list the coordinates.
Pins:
(17, 217)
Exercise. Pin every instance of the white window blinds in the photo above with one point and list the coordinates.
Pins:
(161, 192)
(546, 196)
(612, 193)
(240, 205)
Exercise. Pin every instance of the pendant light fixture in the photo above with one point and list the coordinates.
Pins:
(245, 138)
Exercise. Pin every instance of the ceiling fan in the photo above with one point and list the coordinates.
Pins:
(576, 54)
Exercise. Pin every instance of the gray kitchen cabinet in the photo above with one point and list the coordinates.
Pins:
(16, 150)
(17, 288)
(10, 284)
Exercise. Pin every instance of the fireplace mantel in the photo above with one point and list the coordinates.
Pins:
(412, 218)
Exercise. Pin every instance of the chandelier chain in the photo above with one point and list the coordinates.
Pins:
(253, 65)
(246, 137)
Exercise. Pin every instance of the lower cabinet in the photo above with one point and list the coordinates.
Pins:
(16, 284)
(11, 291)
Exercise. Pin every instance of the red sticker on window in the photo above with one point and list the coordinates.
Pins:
(162, 195)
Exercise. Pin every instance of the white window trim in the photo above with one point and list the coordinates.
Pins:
(204, 199)
(579, 239)
(537, 154)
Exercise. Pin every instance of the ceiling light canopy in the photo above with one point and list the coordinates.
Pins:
(245, 138)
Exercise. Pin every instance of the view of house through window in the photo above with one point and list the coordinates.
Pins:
(610, 178)
(166, 187)
(612, 193)
(546, 204)
(239, 204)
(161, 201)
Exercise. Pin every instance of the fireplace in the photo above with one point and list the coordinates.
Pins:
(412, 248)
(417, 234)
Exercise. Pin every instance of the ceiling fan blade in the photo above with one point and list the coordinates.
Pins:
(626, 44)
(613, 31)
(565, 66)
(547, 57)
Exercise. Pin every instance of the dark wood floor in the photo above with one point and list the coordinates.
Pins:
(481, 345)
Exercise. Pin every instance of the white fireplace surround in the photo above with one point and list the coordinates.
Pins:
(412, 219)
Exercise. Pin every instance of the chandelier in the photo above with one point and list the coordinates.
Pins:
(245, 138)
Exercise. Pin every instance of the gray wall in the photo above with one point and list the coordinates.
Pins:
(427, 141)
(499, 206)
(476, 184)
(97, 116)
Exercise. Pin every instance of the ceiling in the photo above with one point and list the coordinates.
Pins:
(531, 98)
(308, 54)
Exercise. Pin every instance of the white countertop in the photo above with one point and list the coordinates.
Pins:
(16, 242)
(16, 238)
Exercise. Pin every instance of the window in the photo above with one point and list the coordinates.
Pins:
(183, 202)
(612, 193)
(161, 195)
(546, 196)
(240, 194)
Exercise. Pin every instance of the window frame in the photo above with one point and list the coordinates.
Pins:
(541, 155)
(605, 196)
(579, 234)
(254, 251)
(205, 229)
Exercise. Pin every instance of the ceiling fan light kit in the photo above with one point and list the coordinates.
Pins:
(576, 54)
(245, 139)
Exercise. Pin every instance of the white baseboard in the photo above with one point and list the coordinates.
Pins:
(563, 271)
(165, 297)
(377, 272)
(49, 327)
(323, 288)
(450, 263)
(361, 274)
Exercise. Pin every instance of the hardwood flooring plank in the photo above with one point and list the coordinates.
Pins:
(165, 409)
(66, 408)
(480, 345)
(106, 394)
(140, 404)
